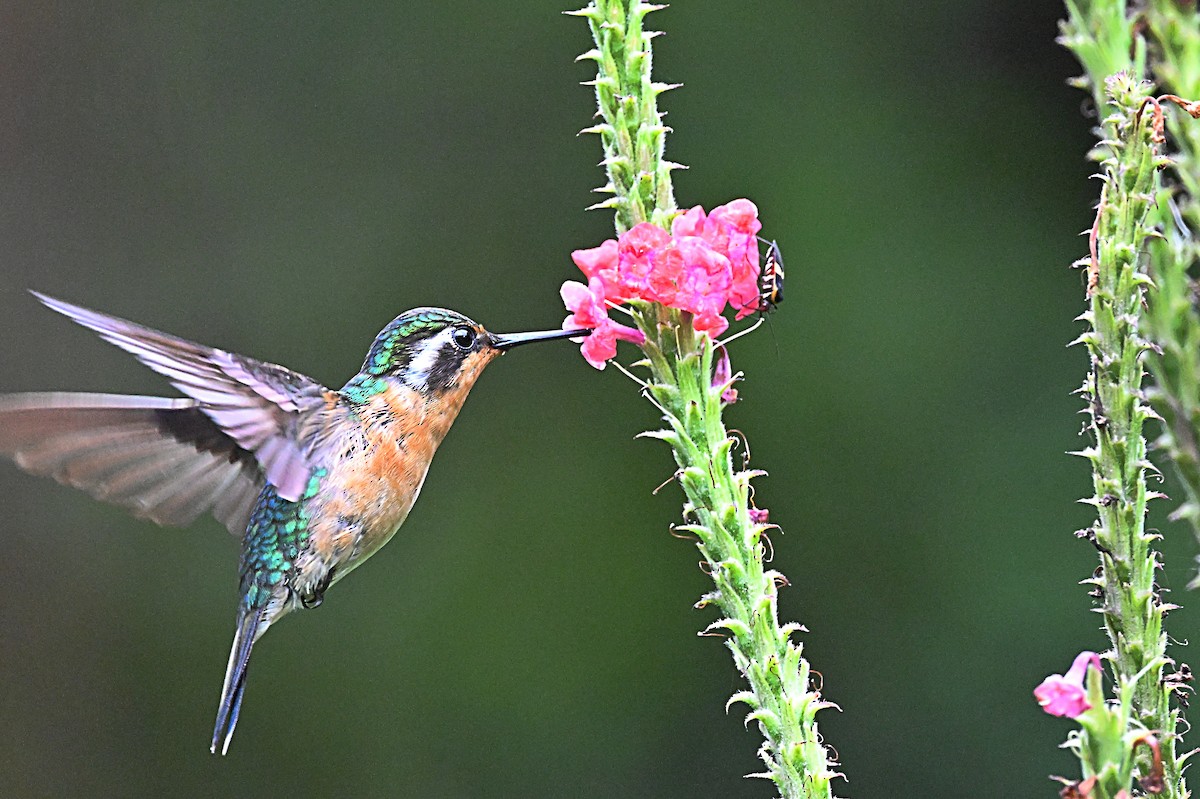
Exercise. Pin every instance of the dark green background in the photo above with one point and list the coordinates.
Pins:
(282, 179)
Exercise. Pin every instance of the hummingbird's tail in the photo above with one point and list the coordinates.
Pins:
(235, 679)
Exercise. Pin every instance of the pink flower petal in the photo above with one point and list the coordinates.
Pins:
(689, 223)
(1066, 695)
(602, 262)
(1058, 697)
(575, 297)
(636, 249)
(740, 215)
(586, 302)
(707, 277)
(1078, 671)
(641, 239)
(630, 334)
(599, 348)
(597, 259)
(712, 324)
(666, 273)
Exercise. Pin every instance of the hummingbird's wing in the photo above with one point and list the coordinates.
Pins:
(267, 410)
(164, 459)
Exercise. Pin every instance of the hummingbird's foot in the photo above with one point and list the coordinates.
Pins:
(317, 596)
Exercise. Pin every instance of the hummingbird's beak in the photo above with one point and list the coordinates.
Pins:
(504, 341)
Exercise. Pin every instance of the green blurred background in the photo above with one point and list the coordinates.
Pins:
(282, 179)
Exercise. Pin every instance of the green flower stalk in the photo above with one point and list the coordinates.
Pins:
(675, 286)
(1130, 600)
(1172, 321)
(634, 137)
(1130, 603)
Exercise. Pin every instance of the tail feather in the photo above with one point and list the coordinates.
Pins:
(235, 680)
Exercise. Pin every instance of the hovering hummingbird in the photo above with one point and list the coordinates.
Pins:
(314, 480)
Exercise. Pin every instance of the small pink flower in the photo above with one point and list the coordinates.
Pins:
(689, 275)
(706, 279)
(741, 216)
(730, 229)
(1066, 694)
(641, 239)
(745, 291)
(666, 273)
(636, 249)
(739, 219)
(601, 346)
(586, 304)
(602, 262)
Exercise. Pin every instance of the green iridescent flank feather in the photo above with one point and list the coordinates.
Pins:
(277, 533)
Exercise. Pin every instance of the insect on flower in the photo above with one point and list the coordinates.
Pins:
(770, 280)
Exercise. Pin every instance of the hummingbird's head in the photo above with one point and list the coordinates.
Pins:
(434, 350)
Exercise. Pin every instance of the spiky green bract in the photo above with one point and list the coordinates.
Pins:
(781, 698)
(1129, 597)
(1101, 35)
(631, 130)
(1171, 319)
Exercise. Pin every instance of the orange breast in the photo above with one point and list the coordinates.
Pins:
(381, 465)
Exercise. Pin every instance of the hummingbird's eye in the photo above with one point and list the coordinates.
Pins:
(463, 337)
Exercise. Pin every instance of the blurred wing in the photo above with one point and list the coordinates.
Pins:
(162, 458)
(266, 409)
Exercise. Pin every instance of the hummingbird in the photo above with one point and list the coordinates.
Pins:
(313, 480)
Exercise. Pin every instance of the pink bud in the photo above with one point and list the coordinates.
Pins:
(722, 378)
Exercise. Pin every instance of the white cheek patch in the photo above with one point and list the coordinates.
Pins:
(426, 358)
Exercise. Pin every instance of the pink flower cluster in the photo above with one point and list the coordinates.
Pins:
(706, 262)
(1066, 694)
